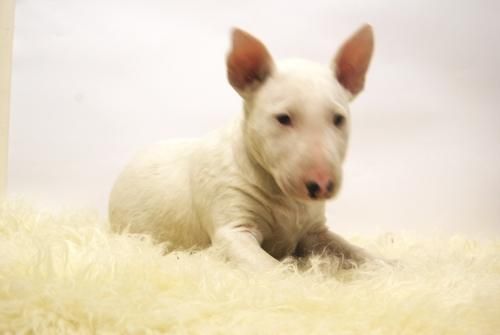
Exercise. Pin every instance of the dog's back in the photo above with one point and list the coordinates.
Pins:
(155, 188)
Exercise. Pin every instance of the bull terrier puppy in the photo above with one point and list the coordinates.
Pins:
(256, 189)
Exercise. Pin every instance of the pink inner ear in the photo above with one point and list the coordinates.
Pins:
(353, 60)
(249, 62)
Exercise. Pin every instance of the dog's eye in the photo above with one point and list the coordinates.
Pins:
(338, 120)
(284, 119)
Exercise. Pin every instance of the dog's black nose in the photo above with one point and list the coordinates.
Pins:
(313, 189)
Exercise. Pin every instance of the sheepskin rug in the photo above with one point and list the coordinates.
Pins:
(66, 273)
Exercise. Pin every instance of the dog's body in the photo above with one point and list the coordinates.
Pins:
(257, 188)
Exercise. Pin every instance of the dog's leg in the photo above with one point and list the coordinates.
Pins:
(241, 244)
(329, 243)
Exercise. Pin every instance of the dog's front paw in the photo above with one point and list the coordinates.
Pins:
(361, 256)
(395, 263)
(382, 261)
(354, 258)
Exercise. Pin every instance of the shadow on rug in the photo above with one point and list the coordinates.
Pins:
(66, 273)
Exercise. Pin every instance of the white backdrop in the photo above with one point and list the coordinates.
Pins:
(95, 80)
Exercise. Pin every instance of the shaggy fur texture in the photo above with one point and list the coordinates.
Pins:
(66, 273)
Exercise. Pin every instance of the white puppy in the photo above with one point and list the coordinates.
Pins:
(256, 189)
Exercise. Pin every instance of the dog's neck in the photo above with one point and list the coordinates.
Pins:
(251, 165)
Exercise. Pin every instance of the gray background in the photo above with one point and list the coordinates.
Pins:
(95, 80)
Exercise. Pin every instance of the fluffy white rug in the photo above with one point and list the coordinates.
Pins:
(65, 274)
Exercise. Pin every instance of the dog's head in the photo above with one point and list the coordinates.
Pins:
(296, 112)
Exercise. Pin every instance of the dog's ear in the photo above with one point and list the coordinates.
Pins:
(248, 63)
(353, 59)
